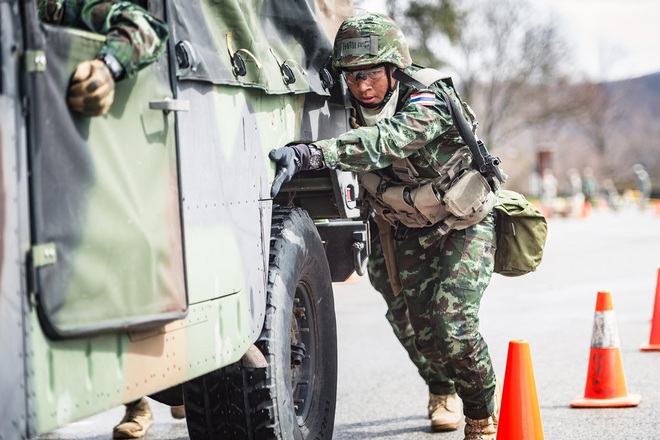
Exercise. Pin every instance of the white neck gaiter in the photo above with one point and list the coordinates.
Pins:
(371, 116)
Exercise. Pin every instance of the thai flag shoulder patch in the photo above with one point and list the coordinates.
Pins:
(423, 98)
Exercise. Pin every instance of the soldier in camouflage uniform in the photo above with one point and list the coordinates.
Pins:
(432, 275)
(135, 39)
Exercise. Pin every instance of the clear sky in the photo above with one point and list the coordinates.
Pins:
(614, 39)
(618, 38)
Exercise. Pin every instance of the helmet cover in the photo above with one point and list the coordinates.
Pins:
(370, 39)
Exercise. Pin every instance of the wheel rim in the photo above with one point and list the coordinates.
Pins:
(303, 352)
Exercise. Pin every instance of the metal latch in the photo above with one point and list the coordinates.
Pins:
(361, 241)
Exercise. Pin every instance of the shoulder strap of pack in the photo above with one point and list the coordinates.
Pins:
(423, 78)
(427, 76)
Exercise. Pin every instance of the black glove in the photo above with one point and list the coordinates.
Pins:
(289, 160)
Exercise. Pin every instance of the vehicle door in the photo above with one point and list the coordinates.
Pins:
(106, 236)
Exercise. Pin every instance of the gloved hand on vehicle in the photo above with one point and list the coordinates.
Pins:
(92, 88)
(289, 161)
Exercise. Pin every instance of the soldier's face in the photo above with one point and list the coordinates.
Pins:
(369, 84)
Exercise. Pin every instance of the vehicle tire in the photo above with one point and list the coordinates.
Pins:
(295, 396)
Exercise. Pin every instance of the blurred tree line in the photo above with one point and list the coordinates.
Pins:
(514, 65)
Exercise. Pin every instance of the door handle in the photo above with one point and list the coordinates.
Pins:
(170, 105)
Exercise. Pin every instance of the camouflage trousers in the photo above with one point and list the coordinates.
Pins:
(435, 316)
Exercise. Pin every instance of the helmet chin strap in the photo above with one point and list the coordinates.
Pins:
(388, 95)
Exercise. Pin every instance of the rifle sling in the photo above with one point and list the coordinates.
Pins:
(422, 79)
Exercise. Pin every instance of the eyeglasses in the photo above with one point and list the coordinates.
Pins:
(370, 76)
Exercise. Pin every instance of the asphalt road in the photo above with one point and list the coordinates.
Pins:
(380, 395)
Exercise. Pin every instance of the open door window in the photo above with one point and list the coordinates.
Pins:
(107, 245)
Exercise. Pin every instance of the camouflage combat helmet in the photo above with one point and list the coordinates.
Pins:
(367, 39)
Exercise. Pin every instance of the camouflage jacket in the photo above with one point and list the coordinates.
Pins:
(135, 37)
(421, 130)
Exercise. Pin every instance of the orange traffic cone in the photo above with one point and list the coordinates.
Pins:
(520, 417)
(606, 382)
(654, 340)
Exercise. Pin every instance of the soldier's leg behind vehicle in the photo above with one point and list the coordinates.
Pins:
(137, 420)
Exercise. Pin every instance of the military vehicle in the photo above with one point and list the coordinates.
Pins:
(141, 251)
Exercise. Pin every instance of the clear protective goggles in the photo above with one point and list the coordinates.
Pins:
(370, 75)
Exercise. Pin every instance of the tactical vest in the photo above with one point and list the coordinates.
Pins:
(456, 199)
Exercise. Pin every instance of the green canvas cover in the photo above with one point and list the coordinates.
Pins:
(275, 32)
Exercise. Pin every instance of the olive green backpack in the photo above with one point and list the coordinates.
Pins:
(521, 234)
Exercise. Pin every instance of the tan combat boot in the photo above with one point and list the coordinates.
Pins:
(481, 429)
(136, 421)
(178, 412)
(445, 412)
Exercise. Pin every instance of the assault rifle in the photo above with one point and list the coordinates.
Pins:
(487, 164)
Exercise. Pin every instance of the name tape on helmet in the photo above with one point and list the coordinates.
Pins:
(359, 46)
